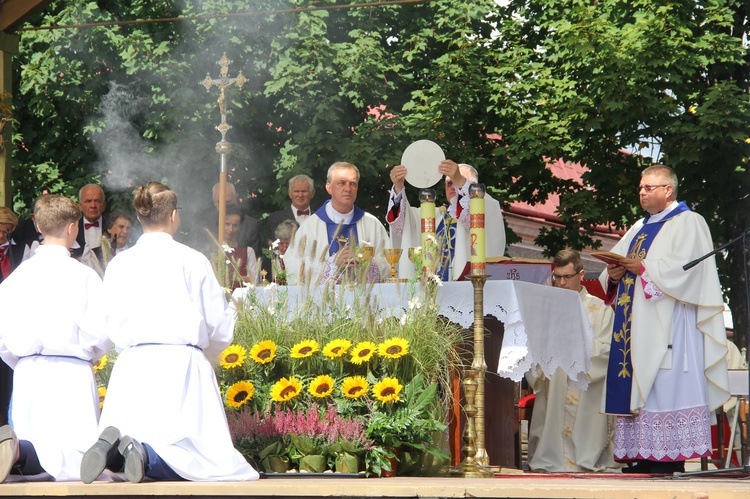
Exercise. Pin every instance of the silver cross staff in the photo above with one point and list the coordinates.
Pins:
(223, 147)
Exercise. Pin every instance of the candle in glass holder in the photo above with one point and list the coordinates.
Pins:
(476, 229)
(427, 211)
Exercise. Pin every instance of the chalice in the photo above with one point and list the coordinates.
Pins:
(365, 253)
(392, 256)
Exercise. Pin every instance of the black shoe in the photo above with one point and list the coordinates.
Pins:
(96, 458)
(135, 459)
(641, 466)
(8, 451)
(668, 467)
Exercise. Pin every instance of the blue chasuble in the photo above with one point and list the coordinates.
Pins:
(620, 368)
(340, 234)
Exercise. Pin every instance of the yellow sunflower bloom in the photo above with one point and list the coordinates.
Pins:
(285, 389)
(304, 349)
(263, 352)
(336, 348)
(363, 352)
(354, 387)
(393, 348)
(239, 393)
(101, 363)
(232, 356)
(387, 390)
(102, 392)
(321, 386)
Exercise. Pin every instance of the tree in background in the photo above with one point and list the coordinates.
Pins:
(503, 87)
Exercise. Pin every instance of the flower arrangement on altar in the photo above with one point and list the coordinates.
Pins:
(333, 384)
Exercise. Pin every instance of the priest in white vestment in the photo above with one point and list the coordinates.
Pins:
(326, 245)
(53, 330)
(169, 319)
(452, 224)
(568, 432)
(667, 368)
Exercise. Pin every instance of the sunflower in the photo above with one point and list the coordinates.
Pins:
(232, 356)
(321, 386)
(362, 352)
(354, 387)
(304, 349)
(101, 363)
(239, 393)
(263, 352)
(387, 390)
(102, 392)
(336, 348)
(285, 389)
(393, 348)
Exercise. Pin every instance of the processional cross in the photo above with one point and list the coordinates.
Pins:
(223, 147)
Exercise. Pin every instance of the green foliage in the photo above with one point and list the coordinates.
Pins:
(611, 84)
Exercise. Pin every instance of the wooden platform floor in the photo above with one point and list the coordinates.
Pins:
(526, 486)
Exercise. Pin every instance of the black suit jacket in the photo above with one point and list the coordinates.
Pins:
(81, 240)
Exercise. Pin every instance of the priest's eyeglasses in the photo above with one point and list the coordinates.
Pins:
(558, 277)
(649, 187)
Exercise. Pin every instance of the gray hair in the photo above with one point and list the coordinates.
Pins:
(340, 165)
(95, 186)
(286, 229)
(666, 172)
(302, 178)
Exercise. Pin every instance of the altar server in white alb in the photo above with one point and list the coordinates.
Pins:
(452, 224)
(568, 433)
(163, 415)
(324, 247)
(667, 365)
(53, 330)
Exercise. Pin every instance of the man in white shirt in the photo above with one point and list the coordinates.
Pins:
(667, 365)
(88, 245)
(324, 246)
(452, 224)
(301, 192)
(568, 433)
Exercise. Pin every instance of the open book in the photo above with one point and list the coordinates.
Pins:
(607, 256)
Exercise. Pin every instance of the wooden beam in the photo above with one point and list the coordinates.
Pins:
(13, 13)
(8, 48)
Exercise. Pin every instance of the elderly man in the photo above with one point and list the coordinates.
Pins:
(452, 223)
(325, 245)
(301, 193)
(88, 245)
(667, 365)
(568, 431)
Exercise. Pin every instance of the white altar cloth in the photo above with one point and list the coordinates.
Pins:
(544, 326)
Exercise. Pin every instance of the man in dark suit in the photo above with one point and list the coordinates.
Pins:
(88, 247)
(11, 256)
(301, 192)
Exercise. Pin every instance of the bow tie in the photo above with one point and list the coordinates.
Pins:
(87, 226)
(302, 212)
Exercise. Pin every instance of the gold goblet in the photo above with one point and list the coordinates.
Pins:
(392, 256)
(366, 253)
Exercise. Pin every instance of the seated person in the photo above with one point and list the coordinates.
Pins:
(242, 258)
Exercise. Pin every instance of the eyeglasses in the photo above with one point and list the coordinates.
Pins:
(650, 188)
(558, 277)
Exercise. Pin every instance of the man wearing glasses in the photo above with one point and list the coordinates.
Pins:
(568, 432)
(667, 366)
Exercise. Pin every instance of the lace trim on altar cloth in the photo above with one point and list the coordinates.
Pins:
(664, 436)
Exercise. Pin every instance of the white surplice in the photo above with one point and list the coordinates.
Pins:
(53, 330)
(168, 316)
(567, 431)
(678, 344)
(406, 230)
(308, 250)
